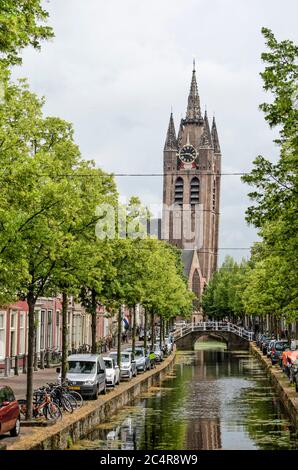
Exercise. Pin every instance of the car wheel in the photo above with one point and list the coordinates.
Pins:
(16, 430)
(296, 384)
(104, 391)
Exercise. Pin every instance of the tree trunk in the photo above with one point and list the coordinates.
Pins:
(134, 329)
(30, 363)
(64, 336)
(145, 329)
(93, 322)
(160, 331)
(152, 330)
(119, 337)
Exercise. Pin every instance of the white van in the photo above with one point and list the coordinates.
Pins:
(86, 374)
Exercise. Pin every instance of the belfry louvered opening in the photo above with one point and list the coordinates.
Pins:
(195, 191)
(178, 198)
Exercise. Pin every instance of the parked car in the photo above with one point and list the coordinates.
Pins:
(128, 367)
(112, 371)
(141, 358)
(86, 374)
(169, 344)
(9, 412)
(288, 357)
(263, 338)
(265, 344)
(270, 346)
(158, 352)
(294, 373)
(277, 349)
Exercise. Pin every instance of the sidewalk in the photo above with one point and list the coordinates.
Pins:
(41, 377)
(18, 382)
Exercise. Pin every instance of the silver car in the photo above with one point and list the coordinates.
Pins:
(86, 374)
(141, 358)
(128, 368)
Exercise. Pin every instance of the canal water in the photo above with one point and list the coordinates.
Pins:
(214, 399)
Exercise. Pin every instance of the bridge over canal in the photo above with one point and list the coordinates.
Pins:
(233, 335)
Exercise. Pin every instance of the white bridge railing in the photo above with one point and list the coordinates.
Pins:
(181, 331)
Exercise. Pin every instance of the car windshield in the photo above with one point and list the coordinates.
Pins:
(139, 353)
(81, 367)
(108, 363)
(124, 357)
(281, 346)
(3, 395)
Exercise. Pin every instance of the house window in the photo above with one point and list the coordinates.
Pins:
(13, 333)
(22, 333)
(57, 329)
(2, 335)
(50, 329)
(42, 329)
(196, 288)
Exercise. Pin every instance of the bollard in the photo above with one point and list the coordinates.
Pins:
(16, 365)
(42, 359)
(24, 364)
(7, 367)
(35, 362)
(48, 359)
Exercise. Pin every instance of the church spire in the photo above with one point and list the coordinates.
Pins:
(171, 141)
(193, 106)
(206, 140)
(215, 138)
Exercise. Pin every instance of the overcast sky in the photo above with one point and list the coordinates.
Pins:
(116, 67)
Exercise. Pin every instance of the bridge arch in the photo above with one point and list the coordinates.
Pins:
(234, 336)
(207, 335)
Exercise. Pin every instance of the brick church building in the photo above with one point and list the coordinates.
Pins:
(191, 192)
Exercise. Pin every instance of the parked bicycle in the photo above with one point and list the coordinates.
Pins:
(43, 406)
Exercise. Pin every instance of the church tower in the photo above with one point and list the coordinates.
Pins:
(191, 191)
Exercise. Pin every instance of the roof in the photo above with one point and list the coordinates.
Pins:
(83, 357)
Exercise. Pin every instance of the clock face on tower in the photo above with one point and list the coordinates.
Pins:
(187, 154)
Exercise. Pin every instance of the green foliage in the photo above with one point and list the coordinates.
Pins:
(21, 25)
(222, 297)
(272, 283)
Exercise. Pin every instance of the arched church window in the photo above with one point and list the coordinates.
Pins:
(214, 196)
(196, 288)
(179, 186)
(195, 191)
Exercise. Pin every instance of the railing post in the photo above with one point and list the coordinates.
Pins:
(42, 359)
(47, 364)
(216, 326)
(180, 331)
(25, 364)
(16, 365)
(229, 326)
(204, 326)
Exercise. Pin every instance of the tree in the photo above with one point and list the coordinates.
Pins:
(21, 25)
(222, 296)
(275, 196)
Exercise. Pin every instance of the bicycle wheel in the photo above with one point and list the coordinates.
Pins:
(66, 404)
(77, 397)
(52, 411)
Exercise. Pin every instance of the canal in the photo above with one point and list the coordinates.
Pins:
(215, 399)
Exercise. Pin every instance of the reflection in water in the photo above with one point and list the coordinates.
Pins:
(216, 399)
